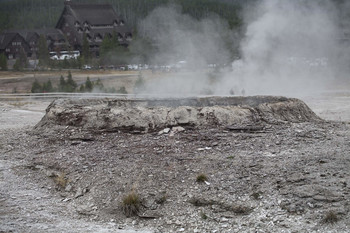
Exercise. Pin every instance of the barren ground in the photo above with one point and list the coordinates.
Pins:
(287, 178)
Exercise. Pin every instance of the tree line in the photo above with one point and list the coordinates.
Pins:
(67, 84)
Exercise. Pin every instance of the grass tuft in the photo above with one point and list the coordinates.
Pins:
(131, 204)
(330, 218)
(203, 216)
(201, 178)
(61, 180)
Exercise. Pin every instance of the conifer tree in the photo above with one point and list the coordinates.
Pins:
(3, 62)
(36, 87)
(43, 52)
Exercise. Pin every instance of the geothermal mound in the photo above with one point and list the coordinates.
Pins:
(145, 115)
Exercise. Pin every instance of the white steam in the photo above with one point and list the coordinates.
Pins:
(288, 47)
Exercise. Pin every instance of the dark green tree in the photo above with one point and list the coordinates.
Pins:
(43, 52)
(86, 49)
(88, 85)
(23, 59)
(82, 88)
(106, 46)
(47, 87)
(98, 84)
(71, 85)
(36, 87)
(122, 90)
(3, 62)
(62, 85)
(17, 66)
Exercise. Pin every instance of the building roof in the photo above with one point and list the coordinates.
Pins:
(94, 14)
(27, 34)
(6, 38)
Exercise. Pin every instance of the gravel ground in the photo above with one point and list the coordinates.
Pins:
(290, 177)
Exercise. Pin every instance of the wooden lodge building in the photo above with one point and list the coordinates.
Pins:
(96, 21)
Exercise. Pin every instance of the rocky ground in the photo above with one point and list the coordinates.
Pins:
(278, 177)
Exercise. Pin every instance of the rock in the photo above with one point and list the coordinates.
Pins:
(86, 209)
(68, 188)
(164, 131)
(79, 193)
(177, 129)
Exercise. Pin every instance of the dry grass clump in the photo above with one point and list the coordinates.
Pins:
(330, 218)
(131, 204)
(61, 180)
(201, 178)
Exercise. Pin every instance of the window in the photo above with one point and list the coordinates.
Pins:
(7, 50)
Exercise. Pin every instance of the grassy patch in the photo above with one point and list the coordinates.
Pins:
(131, 204)
(230, 157)
(61, 180)
(203, 216)
(330, 218)
(201, 178)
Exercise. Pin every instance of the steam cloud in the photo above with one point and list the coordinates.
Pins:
(289, 47)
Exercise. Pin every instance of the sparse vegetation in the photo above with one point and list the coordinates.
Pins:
(131, 204)
(330, 218)
(201, 202)
(239, 209)
(61, 180)
(18, 104)
(201, 178)
(256, 195)
(161, 200)
(230, 157)
(203, 216)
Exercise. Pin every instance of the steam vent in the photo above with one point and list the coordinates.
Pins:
(149, 115)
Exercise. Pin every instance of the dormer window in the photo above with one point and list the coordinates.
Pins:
(121, 23)
(128, 37)
(120, 37)
(86, 24)
(86, 30)
(77, 24)
(98, 38)
(80, 30)
(115, 23)
(88, 37)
